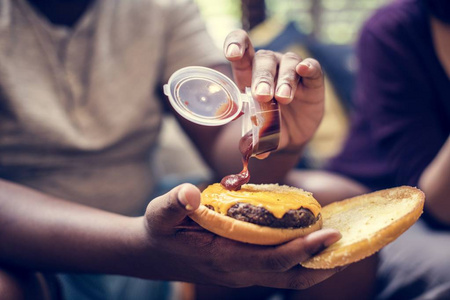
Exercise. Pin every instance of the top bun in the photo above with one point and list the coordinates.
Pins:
(275, 198)
(367, 223)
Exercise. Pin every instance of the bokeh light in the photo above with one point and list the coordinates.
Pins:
(331, 21)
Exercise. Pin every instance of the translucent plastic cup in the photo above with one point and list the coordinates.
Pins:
(207, 97)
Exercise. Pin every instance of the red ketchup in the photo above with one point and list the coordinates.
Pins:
(234, 182)
(268, 124)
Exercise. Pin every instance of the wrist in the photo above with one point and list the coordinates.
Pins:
(133, 248)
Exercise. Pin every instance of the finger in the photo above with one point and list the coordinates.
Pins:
(297, 278)
(311, 73)
(291, 254)
(274, 258)
(265, 68)
(288, 78)
(239, 51)
(169, 210)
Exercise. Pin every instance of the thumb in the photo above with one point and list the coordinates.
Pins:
(166, 211)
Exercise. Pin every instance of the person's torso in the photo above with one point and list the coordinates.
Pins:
(375, 152)
(78, 113)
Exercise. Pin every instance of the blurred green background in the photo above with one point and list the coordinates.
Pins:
(330, 21)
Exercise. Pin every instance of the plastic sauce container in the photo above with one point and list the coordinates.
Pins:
(207, 97)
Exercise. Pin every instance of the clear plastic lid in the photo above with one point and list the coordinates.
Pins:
(207, 97)
(204, 96)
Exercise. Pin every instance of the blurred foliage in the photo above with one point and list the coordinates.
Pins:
(221, 16)
(331, 21)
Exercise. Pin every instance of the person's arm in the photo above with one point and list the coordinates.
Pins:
(435, 180)
(40, 232)
(296, 84)
(435, 183)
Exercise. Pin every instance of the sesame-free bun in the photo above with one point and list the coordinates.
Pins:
(367, 223)
(243, 231)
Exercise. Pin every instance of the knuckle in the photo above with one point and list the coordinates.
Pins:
(171, 206)
(219, 261)
(278, 263)
(219, 264)
(264, 75)
(291, 56)
(265, 53)
(300, 282)
(288, 77)
(202, 241)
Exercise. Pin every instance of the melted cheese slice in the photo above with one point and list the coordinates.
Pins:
(276, 199)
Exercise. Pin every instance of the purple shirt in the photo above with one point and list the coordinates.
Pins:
(402, 100)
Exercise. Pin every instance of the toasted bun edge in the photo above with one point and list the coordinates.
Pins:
(247, 232)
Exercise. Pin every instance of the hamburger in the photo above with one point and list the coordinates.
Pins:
(271, 214)
(264, 214)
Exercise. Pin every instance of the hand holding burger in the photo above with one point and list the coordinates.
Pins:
(176, 248)
(272, 214)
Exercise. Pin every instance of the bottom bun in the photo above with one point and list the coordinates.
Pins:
(247, 232)
(367, 223)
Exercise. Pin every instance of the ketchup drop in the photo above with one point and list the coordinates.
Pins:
(234, 182)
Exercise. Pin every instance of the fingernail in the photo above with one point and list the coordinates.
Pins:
(183, 200)
(332, 236)
(284, 91)
(263, 89)
(233, 50)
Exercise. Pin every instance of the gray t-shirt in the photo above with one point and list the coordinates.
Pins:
(78, 109)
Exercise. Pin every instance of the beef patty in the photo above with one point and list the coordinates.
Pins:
(293, 218)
